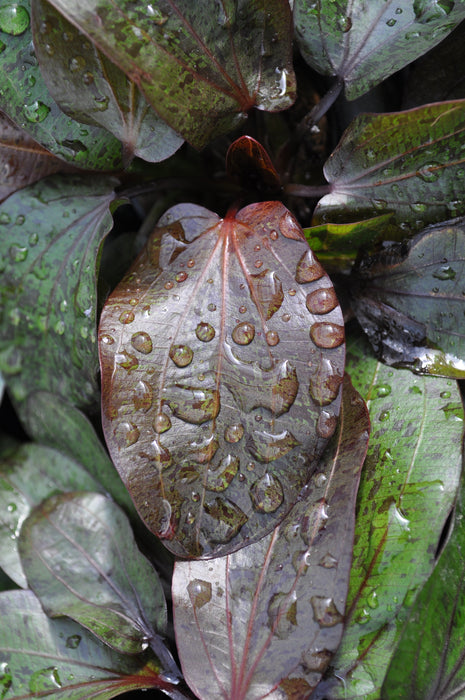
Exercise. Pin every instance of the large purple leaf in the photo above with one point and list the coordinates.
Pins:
(201, 66)
(222, 355)
(269, 618)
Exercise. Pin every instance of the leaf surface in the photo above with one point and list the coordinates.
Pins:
(411, 301)
(200, 67)
(91, 89)
(362, 43)
(222, 356)
(407, 490)
(409, 163)
(50, 239)
(269, 617)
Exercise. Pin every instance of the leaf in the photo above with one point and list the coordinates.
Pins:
(362, 43)
(409, 163)
(211, 412)
(91, 89)
(81, 560)
(434, 630)
(269, 617)
(411, 301)
(25, 99)
(248, 161)
(201, 68)
(60, 659)
(407, 490)
(27, 476)
(50, 239)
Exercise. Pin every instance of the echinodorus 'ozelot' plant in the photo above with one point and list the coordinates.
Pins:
(272, 277)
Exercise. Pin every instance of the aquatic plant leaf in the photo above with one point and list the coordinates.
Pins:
(248, 161)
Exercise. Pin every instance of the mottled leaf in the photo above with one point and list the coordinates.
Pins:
(407, 490)
(80, 559)
(91, 89)
(25, 98)
(409, 163)
(50, 237)
(362, 43)
(30, 474)
(60, 659)
(410, 301)
(201, 67)
(222, 356)
(429, 661)
(269, 617)
(249, 163)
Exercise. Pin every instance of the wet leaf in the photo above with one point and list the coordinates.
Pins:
(91, 89)
(409, 163)
(407, 490)
(434, 630)
(363, 43)
(50, 237)
(201, 68)
(248, 161)
(282, 597)
(25, 98)
(27, 476)
(411, 301)
(60, 659)
(81, 560)
(220, 351)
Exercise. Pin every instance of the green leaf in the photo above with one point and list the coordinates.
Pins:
(91, 89)
(50, 238)
(429, 663)
(25, 98)
(362, 43)
(281, 598)
(222, 355)
(201, 67)
(60, 659)
(28, 475)
(409, 163)
(407, 490)
(410, 300)
(80, 559)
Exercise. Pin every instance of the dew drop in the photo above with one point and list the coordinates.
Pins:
(391, 22)
(126, 434)
(20, 221)
(221, 477)
(181, 277)
(327, 335)
(345, 24)
(381, 390)
(243, 333)
(267, 494)
(76, 63)
(321, 301)
(142, 342)
(445, 394)
(18, 253)
(242, 309)
(169, 284)
(193, 404)
(200, 592)
(286, 318)
(46, 679)
(14, 19)
(211, 307)
(328, 561)
(326, 424)
(290, 227)
(282, 614)
(308, 269)
(205, 332)
(266, 447)
(107, 339)
(325, 612)
(313, 522)
(431, 10)
(36, 112)
(418, 207)
(161, 423)
(142, 397)
(274, 235)
(88, 78)
(445, 273)
(292, 292)
(272, 338)
(127, 317)
(160, 455)
(101, 103)
(429, 172)
(379, 204)
(234, 432)
(181, 355)
(191, 262)
(73, 641)
(258, 263)
(384, 416)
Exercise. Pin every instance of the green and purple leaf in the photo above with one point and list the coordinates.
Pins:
(222, 356)
(282, 598)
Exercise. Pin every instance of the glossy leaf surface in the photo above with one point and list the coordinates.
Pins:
(408, 487)
(50, 238)
(409, 163)
(282, 598)
(60, 659)
(81, 560)
(248, 161)
(91, 89)
(201, 67)
(26, 99)
(222, 356)
(411, 301)
(363, 43)
(30, 474)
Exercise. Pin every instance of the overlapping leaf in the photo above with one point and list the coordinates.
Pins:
(409, 163)
(408, 487)
(91, 89)
(411, 301)
(26, 100)
(362, 43)
(282, 597)
(222, 357)
(201, 67)
(50, 239)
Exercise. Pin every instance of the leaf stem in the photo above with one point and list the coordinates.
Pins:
(313, 191)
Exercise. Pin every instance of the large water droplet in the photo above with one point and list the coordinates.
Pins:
(267, 494)
(205, 450)
(193, 404)
(327, 335)
(18, 253)
(430, 10)
(313, 522)
(327, 561)
(161, 423)
(445, 272)
(126, 434)
(142, 397)
(381, 390)
(73, 641)
(181, 355)
(205, 332)
(36, 112)
(234, 433)
(14, 19)
(101, 103)
(219, 479)
(429, 172)
(200, 592)
(268, 292)
(308, 269)
(142, 342)
(321, 301)
(243, 333)
(282, 613)
(267, 447)
(325, 612)
(272, 338)
(160, 455)
(290, 227)
(227, 518)
(326, 424)
(45, 679)
(127, 317)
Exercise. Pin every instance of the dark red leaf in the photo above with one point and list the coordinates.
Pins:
(248, 161)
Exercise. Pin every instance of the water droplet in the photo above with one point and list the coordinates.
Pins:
(211, 307)
(380, 391)
(181, 276)
(429, 172)
(391, 22)
(169, 284)
(200, 592)
(88, 78)
(313, 522)
(328, 561)
(205, 332)
(398, 11)
(59, 327)
(45, 679)
(286, 318)
(272, 338)
(126, 434)
(191, 262)
(160, 455)
(308, 269)
(234, 432)
(243, 333)
(267, 494)
(372, 600)
(101, 103)
(76, 63)
(6, 679)
(36, 112)
(292, 292)
(20, 221)
(18, 253)
(266, 447)
(319, 479)
(274, 235)
(142, 342)
(193, 404)
(290, 227)
(445, 394)
(445, 272)
(383, 416)
(242, 309)
(4, 218)
(282, 613)
(161, 423)
(321, 301)
(326, 424)
(49, 49)
(325, 383)
(268, 291)
(127, 317)
(14, 19)
(430, 10)
(219, 479)
(107, 339)
(418, 207)
(73, 641)
(181, 355)
(325, 612)
(327, 335)
(258, 263)
(345, 24)
(379, 204)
